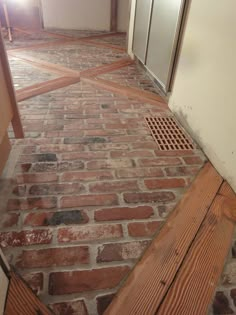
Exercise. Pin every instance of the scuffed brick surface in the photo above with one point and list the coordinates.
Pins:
(90, 188)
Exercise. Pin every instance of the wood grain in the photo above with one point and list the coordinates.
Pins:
(194, 286)
(138, 94)
(45, 87)
(152, 277)
(5, 149)
(21, 300)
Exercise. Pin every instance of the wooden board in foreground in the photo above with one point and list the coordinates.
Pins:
(194, 286)
(45, 87)
(21, 300)
(152, 277)
(138, 94)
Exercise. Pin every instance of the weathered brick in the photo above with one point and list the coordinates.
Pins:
(174, 153)
(121, 251)
(61, 283)
(116, 186)
(85, 140)
(165, 183)
(88, 200)
(182, 171)
(35, 281)
(103, 302)
(86, 176)
(161, 196)
(191, 160)
(123, 213)
(221, 304)
(84, 155)
(159, 162)
(140, 172)
(119, 163)
(141, 229)
(32, 203)
(53, 257)
(56, 189)
(25, 238)
(61, 148)
(9, 220)
(56, 218)
(69, 308)
(131, 154)
(89, 233)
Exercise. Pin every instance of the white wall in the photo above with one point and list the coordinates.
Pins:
(77, 14)
(203, 95)
(123, 15)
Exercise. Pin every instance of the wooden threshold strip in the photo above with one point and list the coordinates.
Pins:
(51, 67)
(148, 284)
(45, 87)
(135, 93)
(197, 279)
(107, 68)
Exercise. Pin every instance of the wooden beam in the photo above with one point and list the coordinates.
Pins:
(5, 149)
(152, 277)
(194, 286)
(134, 93)
(114, 16)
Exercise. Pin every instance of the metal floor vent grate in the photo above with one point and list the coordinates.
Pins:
(168, 134)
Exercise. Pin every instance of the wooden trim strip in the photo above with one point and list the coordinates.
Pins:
(135, 93)
(195, 284)
(45, 87)
(107, 68)
(152, 277)
(51, 67)
(5, 149)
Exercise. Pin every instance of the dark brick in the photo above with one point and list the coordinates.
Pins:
(103, 302)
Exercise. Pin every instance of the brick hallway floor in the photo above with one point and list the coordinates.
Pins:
(90, 188)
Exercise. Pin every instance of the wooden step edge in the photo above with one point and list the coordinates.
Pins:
(193, 288)
(134, 93)
(152, 277)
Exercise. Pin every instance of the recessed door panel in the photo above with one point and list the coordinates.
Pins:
(164, 34)
(141, 29)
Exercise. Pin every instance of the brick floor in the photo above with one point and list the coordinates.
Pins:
(90, 187)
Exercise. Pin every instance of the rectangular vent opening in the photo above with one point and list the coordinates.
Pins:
(168, 134)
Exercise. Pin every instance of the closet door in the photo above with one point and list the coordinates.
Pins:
(141, 28)
(164, 35)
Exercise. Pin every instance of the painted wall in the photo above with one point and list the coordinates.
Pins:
(123, 15)
(203, 92)
(77, 14)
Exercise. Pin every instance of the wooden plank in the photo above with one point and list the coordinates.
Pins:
(45, 87)
(16, 122)
(5, 149)
(45, 65)
(21, 300)
(138, 94)
(114, 16)
(3, 292)
(107, 68)
(152, 277)
(195, 284)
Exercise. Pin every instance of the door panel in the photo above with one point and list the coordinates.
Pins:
(141, 29)
(164, 33)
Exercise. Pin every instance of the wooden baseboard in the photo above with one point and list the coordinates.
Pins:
(5, 148)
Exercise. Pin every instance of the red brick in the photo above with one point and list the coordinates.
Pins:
(37, 178)
(191, 160)
(56, 218)
(120, 186)
(108, 146)
(57, 148)
(61, 283)
(103, 302)
(140, 172)
(179, 153)
(69, 308)
(121, 251)
(165, 183)
(35, 281)
(9, 220)
(25, 238)
(141, 229)
(56, 189)
(103, 132)
(124, 213)
(159, 162)
(119, 163)
(144, 145)
(86, 176)
(89, 233)
(84, 155)
(161, 196)
(88, 200)
(182, 171)
(32, 203)
(53, 257)
(131, 154)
